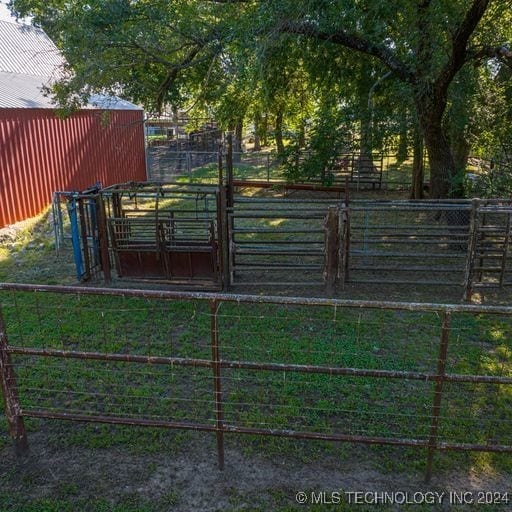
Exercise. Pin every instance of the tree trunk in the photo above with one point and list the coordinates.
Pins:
(460, 150)
(257, 128)
(441, 163)
(417, 165)
(279, 132)
(430, 108)
(264, 130)
(237, 142)
(302, 135)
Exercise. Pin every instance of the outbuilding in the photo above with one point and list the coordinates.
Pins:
(42, 152)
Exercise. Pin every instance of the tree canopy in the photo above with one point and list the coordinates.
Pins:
(295, 58)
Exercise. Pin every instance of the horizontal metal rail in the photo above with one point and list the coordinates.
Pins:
(256, 299)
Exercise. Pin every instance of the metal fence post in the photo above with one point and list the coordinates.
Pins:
(189, 165)
(229, 169)
(103, 238)
(10, 393)
(472, 245)
(217, 384)
(331, 249)
(224, 238)
(219, 166)
(438, 392)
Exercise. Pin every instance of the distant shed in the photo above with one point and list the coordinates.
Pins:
(41, 153)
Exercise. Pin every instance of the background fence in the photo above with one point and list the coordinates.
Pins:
(430, 376)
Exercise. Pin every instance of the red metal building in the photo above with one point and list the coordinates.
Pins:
(40, 152)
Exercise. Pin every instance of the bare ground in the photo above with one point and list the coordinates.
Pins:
(189, 480)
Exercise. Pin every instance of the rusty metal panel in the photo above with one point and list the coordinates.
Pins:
(40, 153)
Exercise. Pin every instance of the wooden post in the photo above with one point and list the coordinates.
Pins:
(331, 250)
(12, 405)
(438, 393)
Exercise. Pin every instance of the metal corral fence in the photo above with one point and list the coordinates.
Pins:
(429, 376)
(407, 242)
(263, 168)
(289, 241)
(167, 165)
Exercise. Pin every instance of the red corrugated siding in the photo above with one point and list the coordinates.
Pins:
(40, 153)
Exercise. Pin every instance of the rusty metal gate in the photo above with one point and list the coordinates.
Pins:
(276, 242)
(297, 242)
(489, 256)
(407, 242)
(166, 249)
(164, 232)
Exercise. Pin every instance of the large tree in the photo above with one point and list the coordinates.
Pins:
(425, 43)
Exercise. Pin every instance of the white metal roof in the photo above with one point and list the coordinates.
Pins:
(22, 91)
(27, 50)
(29, 60)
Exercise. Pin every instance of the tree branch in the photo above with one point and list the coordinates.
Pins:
(172, 74)
(460, 40)
(502, 53)
(352, 41)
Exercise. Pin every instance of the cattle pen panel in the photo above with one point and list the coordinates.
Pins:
(276, 241)
(430, 376)
(164, 232)
(407, 242)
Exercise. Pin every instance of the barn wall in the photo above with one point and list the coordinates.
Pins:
(40, 153)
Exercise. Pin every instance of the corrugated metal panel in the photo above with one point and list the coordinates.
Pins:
(27, 50)
(40, 154)
(22, 91)
(30, 60)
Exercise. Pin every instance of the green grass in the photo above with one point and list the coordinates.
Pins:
(20, 503)
(278, 400)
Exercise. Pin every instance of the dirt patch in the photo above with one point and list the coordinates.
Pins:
(189, 480)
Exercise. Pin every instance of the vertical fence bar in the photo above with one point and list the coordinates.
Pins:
(331, 249)
(217, 385)
(470, 258)
(103, 239)
(506, 244)
(438, 393)
(219, 166)
(224, 237)
(482, 239)
(346, 258)
(229, 169)
(85, 242)
(10, 393)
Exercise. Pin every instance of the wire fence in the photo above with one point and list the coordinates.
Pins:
(437, 377)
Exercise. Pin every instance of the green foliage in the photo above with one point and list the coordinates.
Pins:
(327, 141)
(238, 61)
